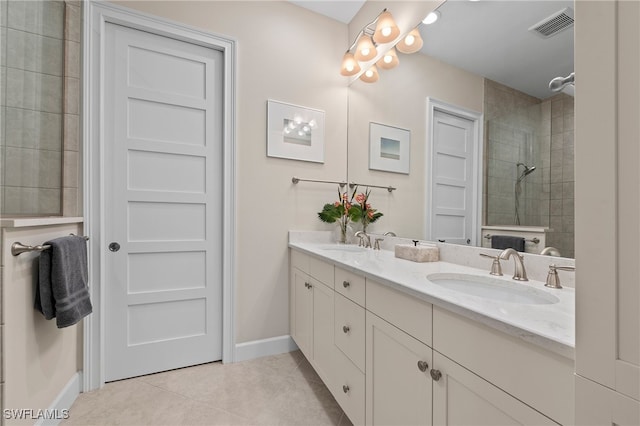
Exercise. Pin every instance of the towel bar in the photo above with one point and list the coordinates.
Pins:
(534, 240)
(19, 248)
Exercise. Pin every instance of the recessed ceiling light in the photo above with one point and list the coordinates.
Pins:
(431, 18)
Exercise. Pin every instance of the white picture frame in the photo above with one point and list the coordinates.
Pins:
(389, 148)
(295, 132)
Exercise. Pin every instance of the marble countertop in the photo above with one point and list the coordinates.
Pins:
(550, 326)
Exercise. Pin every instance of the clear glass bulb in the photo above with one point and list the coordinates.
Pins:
(349, 67)
(365, 52)
(388, 59)
(386, 31)
(369, 73)
(409, 40)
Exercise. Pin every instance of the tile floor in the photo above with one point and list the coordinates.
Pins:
(276, 390)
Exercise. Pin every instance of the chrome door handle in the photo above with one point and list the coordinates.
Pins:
(114, 247)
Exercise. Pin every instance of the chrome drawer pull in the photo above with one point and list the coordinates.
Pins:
(436, 374)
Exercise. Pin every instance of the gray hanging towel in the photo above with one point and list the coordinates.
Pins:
(507, 241)
(62, 290)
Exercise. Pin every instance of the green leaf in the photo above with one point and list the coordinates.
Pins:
(375, 217)
(330, 213)
(355, 213)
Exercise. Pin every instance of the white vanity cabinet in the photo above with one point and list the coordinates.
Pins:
(392, 358)
(481, 368)
(398, 357)
(311, 311)
(398, 384)
(461, 397)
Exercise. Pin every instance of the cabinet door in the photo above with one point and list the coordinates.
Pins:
(463, 398)
(398, 392)
(607, 228)
(323, 348)
(302, 296)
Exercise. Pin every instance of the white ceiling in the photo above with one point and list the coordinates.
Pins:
(340, 10)
(491, 38)
(487, 37)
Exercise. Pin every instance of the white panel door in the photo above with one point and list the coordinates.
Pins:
(163, 174)
(452, 180)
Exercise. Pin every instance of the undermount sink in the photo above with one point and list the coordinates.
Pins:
(493, 289)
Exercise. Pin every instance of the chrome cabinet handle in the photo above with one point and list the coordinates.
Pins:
(345, 388)
(307, 285)
(436, 374)
(422, 366)
(346, 284)
(346, 329)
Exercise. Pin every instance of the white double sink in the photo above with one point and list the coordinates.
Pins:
(475, 285)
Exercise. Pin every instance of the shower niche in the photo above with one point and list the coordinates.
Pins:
(529, 173)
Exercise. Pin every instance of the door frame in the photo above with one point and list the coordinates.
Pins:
(96, 15)
(477, 118)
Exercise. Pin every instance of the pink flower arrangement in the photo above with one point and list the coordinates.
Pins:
(367, 213)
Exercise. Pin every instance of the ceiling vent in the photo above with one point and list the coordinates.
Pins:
(554, 24)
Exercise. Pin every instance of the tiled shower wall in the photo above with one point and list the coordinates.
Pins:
(561, 178)
(514, 132)
(521, 128)
(40, 126)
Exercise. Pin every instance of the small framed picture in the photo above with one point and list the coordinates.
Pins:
(389, 148)
(295, 132)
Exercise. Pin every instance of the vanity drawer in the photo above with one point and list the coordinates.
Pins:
(350, 285)
(408, 313)
(349, 388)
(299, 261)
(322, 271)
(349, 330)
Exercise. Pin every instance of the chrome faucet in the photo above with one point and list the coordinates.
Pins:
(520, 273)
(365, 240)
(390, 234)
(553, 280)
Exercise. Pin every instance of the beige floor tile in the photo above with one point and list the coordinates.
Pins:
(278, 390)
(302, 402)
(134, 402)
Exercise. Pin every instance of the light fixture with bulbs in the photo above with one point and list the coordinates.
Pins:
(364, 48)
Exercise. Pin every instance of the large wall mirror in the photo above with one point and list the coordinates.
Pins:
(480, 57)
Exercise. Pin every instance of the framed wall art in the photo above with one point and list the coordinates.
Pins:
(389, 148)
(295, 132)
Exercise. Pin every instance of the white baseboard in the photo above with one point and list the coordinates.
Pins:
(60, 408)
(265, 347)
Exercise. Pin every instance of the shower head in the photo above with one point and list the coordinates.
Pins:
(559, 83)
(527, 170)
